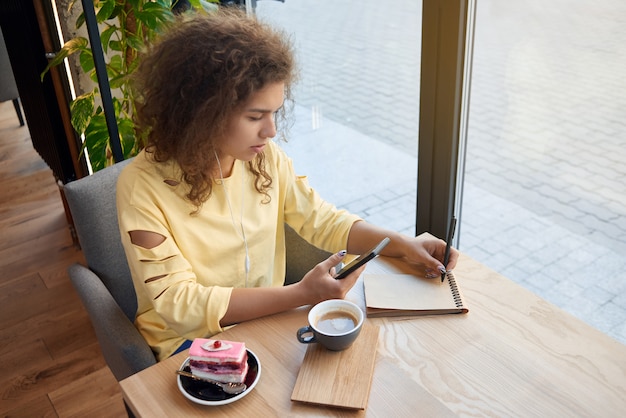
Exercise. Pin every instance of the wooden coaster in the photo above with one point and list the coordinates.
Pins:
(339, 378)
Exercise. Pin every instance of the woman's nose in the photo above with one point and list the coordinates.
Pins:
(269, 129)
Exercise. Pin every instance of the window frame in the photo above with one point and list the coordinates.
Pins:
(447, 47)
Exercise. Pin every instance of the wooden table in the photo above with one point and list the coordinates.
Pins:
(513, 354)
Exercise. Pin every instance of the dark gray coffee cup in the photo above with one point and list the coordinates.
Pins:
(332, 339)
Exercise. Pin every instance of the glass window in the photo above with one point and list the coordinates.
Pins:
(357, 113)
(545, 183)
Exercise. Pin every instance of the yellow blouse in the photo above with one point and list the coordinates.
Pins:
(184, 284)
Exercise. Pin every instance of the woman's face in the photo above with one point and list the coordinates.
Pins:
(253, 127)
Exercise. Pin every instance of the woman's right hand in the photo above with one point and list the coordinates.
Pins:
(320, 284)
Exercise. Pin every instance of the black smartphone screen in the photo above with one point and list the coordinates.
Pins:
(362, 259)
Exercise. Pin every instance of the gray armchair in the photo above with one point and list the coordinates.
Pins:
(8, 88)
(105, 286)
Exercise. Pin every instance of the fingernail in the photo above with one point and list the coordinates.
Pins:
(342, 253)
(442, 269)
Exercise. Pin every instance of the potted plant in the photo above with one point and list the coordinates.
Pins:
(126, 27)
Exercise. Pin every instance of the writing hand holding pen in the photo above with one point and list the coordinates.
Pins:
(424, 252)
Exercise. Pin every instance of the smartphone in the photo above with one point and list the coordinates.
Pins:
(362, 259)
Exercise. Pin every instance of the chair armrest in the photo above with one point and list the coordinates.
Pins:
(124, 349)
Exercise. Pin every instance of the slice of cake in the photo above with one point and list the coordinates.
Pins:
(221, 360)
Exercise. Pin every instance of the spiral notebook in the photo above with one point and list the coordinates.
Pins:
(408, 295)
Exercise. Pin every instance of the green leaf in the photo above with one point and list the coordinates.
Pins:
(115, 46)
(105, 37)
(206, 5)
(82, 109)
(118, 81)
(147, 19)
(127, 133)
(156, 6)
(132, 67)
(76, 44)
(86, 60)
(154, 15)
(93, 76)
(135, 42)
(96, 141)
(70, 47)
(116, 12)
(80, 21)
(106, 10)
(116, 64)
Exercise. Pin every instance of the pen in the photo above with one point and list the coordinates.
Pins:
(446, 256)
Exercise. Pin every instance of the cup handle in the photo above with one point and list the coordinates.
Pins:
(304, 339)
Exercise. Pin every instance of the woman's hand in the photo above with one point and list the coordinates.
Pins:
(430, 253)
(319, 283)
(427, 252)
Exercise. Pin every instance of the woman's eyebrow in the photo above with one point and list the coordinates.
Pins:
(261, 110)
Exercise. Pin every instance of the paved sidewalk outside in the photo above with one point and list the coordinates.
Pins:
(545, 189)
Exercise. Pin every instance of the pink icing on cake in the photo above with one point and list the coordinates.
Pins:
(233, 354)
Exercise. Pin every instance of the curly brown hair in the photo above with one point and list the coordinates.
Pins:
(195, 78)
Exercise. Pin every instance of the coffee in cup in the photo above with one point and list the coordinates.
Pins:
(334, 323)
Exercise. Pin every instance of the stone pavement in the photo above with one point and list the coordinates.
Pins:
(544, 199)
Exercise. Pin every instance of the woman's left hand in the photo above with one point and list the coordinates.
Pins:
(430, 252)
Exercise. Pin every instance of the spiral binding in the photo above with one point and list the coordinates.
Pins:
(455, 291)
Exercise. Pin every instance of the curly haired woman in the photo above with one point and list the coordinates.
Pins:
(202, 208)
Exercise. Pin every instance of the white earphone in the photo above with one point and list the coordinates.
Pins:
(232, 217)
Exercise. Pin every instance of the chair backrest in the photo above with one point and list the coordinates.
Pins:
(301, 256)
(92, 205)
(8, 88)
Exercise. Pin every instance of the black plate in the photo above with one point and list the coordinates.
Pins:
(208, 394)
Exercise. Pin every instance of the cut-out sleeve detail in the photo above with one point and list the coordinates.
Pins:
(146, 261)
(146, 239)
(157, 296)
(152, 279)
(161, 266)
